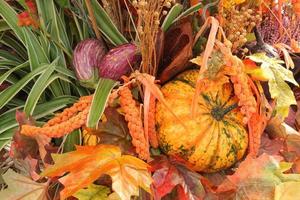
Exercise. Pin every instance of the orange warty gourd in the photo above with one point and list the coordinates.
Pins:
(213, 140)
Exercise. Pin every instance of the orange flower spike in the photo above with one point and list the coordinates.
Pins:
(256, 126)
(79, 106)
(151, 123)
(59, 129)
(22, 18)
(31, 7)
(135, 124)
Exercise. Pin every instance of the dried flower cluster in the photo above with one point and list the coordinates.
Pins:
(238, 23)
(113, 9)
(150, 13)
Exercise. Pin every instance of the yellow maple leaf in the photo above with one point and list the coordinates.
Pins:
(88, 163)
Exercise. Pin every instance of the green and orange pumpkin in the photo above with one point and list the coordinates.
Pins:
(213, 140)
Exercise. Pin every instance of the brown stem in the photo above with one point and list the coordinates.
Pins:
(92, 18)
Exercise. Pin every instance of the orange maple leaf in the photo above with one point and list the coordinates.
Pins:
(88, 163)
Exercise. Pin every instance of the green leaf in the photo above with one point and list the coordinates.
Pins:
(3, 26)
(52, 18)
(15, 44)
(66, 72)
(36, 53)
(7, 135)
(95, 192)
(173, 13)
(72, 140)
(37, 90)
(37, 56)
(8, 121)
(10, 17)
(189, 11)
(106, 25)
(3, 143)
(9, 56)
(277, 75)
(8, 63)
(54, 29)
(6, 129)
(9, 93)
(100, 98)
(63, 3)
(12, 70)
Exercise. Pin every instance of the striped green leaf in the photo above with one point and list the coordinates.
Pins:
(8, 63)
(10, 17)
(6, 55)
(3, 143)
(8, 121)
(36, 53)
(12, 70)
(51, 17)
(14, 44)
(173, 13)
(66, 72)
(189, 11)
(72, 140)
(100, 98)
(38, 88)
(107, 26)
(3, 26)
(9, 93)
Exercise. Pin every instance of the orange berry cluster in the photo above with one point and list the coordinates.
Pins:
(151, 123)
(243, 91)
(135, 124)
(64, 123)
(30, 17)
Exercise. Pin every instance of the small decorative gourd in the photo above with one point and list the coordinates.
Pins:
(213, 140)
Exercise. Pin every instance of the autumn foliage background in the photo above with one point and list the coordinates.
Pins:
(83, 88)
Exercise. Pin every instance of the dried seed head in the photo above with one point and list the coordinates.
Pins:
(142, 3)
(156, 14)
(134, 3)
(168, 4)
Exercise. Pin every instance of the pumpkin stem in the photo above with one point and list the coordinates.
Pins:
(218, 112)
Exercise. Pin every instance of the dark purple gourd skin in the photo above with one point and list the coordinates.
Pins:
(86, 61)
(118, 61)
